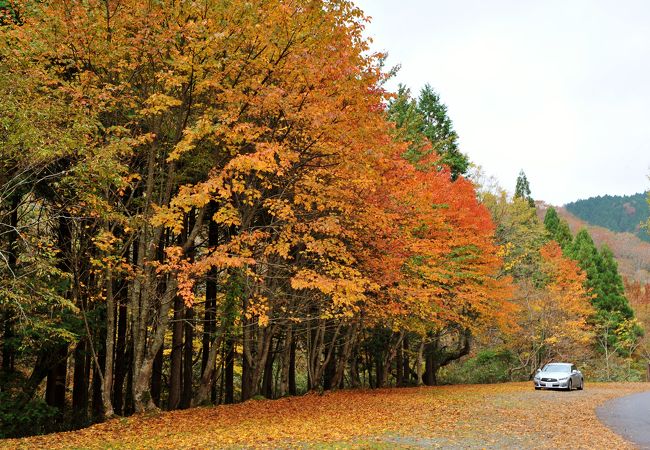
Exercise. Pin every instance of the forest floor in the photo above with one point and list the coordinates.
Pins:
(510, 415)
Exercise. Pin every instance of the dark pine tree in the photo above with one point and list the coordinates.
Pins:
(557, 228)
(422, 120)
(438, 128)
(522, 190)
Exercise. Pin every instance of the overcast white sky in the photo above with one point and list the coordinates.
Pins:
(560, 89)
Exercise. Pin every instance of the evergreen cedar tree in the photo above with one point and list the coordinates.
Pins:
(426, 126)
(216, 190)
(522, 189)
(557, 228)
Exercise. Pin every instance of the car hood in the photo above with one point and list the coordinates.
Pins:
(557, 375)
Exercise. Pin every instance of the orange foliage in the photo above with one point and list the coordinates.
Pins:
(493, 416)
(553, 320)
(433, 253)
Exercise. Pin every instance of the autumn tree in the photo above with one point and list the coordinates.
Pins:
(223, 177)
(554, 322)
(42, 134)
(447, 287)
(545, 282)
(638, 294)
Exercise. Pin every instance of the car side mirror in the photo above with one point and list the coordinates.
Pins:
(574, 371)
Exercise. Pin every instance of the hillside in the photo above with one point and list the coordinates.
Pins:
(617, 213)
(632, 253)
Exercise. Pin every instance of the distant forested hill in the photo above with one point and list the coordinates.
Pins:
(616, 213)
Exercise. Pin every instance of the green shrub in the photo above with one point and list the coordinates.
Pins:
(19, 418)
(488, 366)
(620, 369)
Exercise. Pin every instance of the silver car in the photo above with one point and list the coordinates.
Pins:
(559, 375)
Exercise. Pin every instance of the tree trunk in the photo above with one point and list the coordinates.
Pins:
(391, 352)
(313, 336)
(80, 385)
(187, 359)
(120, 348)
(418, 364)
(399, 367)
(209, 324)
(329, 372)
(98, 396)
(292, 369)
(229, 382)
(109, 348)
(8, 347)
(149, 309)
(439, 355)
(246, 378)
(263, 354)
(156, 377)
(246, 387)
(355, 378)
(267, 379)
(286, 361)
(429, 371)
(56, 379)
(405, 361)
(345, 355)
(256, 352)
(142, 378)
(320, 353)
(129, 402)
(176, 363)
(208, 374)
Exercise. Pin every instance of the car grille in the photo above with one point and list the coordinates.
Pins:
(549, 379)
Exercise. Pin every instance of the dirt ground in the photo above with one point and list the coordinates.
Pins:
(510, 415)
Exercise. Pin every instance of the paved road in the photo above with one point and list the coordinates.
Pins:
(630, 417)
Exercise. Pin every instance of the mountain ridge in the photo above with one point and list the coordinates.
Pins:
(619, 213)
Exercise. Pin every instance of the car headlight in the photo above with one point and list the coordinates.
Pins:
(536, 378)
(564, 379)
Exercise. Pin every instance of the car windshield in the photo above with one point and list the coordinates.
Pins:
(557, 368)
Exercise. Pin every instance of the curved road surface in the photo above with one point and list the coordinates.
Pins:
(630, 417)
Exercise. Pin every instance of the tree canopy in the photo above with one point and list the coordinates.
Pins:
(424, 123)
(212, 191)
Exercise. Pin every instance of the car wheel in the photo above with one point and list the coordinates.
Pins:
(582, 384)
(537, 388)
(569, 386)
